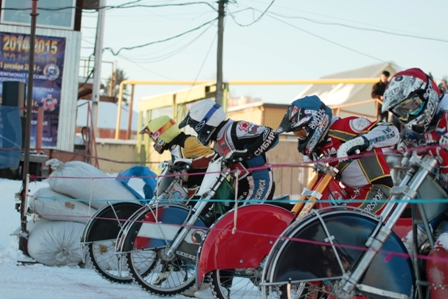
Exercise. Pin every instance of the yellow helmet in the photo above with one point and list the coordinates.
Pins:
(162, 130)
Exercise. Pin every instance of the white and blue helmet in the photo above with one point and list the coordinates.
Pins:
(204, 117)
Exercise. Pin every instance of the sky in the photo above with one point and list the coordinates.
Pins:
(24, 281)
(266, 40)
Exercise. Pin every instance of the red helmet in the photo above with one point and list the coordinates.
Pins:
(412, 96)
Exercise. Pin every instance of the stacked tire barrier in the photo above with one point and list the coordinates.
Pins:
(76, 190)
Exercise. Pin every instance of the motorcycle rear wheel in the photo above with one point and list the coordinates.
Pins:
(108, 265)
(229, 284)
(310, 290)
(100, 238)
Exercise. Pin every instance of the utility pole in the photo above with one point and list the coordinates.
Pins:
(97, 65)
(23, 237)
(219, 80)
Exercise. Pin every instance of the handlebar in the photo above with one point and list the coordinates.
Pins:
(176, 166)
(325, 168)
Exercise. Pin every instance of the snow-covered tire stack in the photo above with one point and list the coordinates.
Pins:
(76, 190)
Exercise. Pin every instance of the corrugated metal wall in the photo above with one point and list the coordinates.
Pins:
(69, 91)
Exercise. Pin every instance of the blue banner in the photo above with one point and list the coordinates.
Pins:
(10, 137)
(47, 82)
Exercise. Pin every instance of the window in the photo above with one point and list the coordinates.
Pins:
(52, 14)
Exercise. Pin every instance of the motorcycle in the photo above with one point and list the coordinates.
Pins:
(232, 255)
(169, 234)
(101, 231)
(234, 251)
(348, 253)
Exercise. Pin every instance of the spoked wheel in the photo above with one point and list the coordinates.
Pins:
(110, 266)
(165, 277)
(100, 237)
(244, 283)
(304, 253)
(310, 290)
(295, 291)
(236, 283)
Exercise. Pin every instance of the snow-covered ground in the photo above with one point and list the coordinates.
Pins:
(24, 281)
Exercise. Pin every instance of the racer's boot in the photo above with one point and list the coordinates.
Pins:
(437, 269)
(204, 293)
(164, 274)
(193, 289)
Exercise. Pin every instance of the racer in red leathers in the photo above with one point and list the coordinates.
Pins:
(414, 98)
(324, 136)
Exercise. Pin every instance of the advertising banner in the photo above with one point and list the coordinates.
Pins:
(47, 82)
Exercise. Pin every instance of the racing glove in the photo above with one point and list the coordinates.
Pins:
(410, 140)
(443, 141)
(352, 147)
(307, 159)
(236, 156)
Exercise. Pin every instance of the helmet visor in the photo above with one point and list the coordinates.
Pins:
(301, 133)
(152, 135)
(155, 135)
(412, 106)
(185, 121)
(145, 130)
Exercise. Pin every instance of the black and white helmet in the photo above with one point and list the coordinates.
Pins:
(412, 96)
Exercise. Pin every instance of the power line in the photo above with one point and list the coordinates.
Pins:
(110, 7)
(115, 53)
(327, 40)
(257, 19)
(272, 15)
(362, 28)
(232, 14)
(166, 54)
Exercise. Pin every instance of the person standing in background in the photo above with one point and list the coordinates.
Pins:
(377, 93)
(443, 86)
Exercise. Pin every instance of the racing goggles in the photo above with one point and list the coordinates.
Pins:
(155, 135)
(412, 106)
(146, 130)
(301, 133)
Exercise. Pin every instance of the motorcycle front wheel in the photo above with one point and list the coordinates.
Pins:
(326, 246)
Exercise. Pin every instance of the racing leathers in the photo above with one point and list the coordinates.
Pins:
(365, 177)
(186, 146)
(255, 178)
